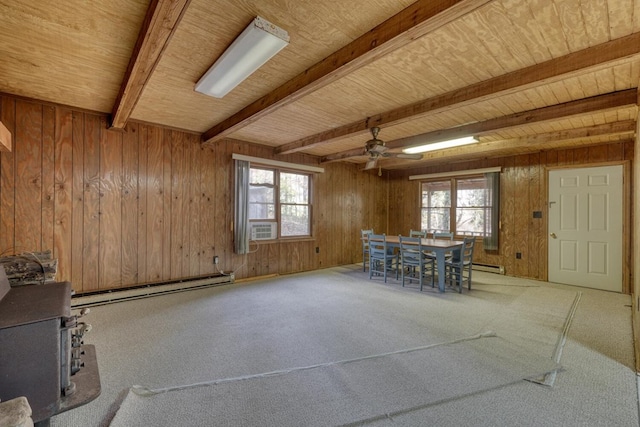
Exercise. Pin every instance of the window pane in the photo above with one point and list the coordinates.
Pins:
(261, 176)
(262, 211)
(472, 192)
(436, 194)
(295, 220)
(436, 219)
(262, 203)
(294, 188)
(471, 221)
(472, 207)
(436, 203)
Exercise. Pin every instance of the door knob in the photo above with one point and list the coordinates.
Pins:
(553, 235)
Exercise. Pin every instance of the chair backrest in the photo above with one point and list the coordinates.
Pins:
(410, 244)
(377, 244)
(465, 254)
(443, 235)
(411, 251)
(467, 249)
(417, 233)
(364, 234)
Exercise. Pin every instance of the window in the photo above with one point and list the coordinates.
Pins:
(281, 197)
(436, 206)
(294, 204)
(468, 200)
(262, 194)
(473, 207)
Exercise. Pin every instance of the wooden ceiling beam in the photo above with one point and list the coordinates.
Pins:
(420, 18)
(503, 148)
(543, 73)
(157, 29)
(624, 127)
(625, 98)
(574, 138)
(520, 146)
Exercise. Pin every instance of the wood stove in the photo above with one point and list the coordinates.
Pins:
(42, 354)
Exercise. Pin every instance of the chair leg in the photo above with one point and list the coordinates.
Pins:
(455, 276)
(384, 270)
(447, 274)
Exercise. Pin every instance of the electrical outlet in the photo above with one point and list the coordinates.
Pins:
(216, 260)
(518, 255)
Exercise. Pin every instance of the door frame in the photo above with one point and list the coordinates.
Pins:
(626, 216)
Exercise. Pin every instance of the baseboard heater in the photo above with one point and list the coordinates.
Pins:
(498, 269)
(148, 290)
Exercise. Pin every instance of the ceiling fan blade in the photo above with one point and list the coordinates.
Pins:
(371, 163)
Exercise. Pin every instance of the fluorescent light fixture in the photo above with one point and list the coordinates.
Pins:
(441, 145)
(258, 43)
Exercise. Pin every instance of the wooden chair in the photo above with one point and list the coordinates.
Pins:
(458, 268)
(381, 258)
(415, 233)
(364, 236)
(416, 264)
(443, 235)
(418, 233)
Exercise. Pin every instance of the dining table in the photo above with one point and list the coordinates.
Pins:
(439, 247)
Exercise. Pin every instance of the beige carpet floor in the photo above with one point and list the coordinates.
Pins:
(324, 317)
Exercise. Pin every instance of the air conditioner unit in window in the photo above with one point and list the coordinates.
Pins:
(263, 230)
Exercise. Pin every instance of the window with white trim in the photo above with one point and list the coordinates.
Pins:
(467, 200)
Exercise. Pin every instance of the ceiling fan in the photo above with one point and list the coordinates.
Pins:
(375, 148)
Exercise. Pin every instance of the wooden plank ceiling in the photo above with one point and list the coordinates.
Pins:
(522, 75)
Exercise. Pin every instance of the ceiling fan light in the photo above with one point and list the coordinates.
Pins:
(441, 145)
(258, 43)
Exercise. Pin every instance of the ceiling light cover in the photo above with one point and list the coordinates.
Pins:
(258, 43)
(441, 145)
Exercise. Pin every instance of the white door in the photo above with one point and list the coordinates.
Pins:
(585, 227)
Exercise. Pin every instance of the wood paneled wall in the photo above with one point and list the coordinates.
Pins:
(150, 204)
(523, 191)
